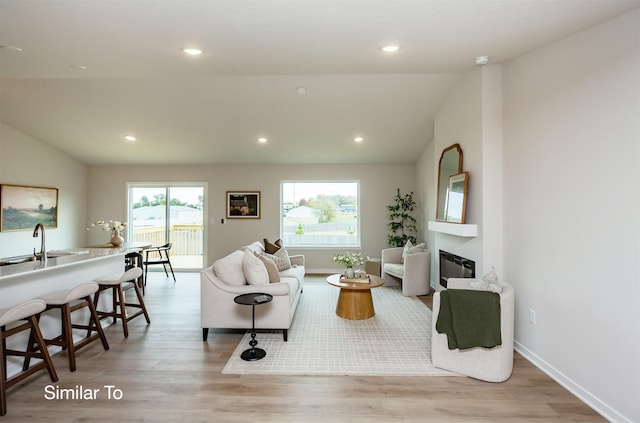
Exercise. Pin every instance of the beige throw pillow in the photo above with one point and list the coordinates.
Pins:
(272, 269)
(281, 258)
(409, 248)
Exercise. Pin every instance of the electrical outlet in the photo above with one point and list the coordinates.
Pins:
(532, 317)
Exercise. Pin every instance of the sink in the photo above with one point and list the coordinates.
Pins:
(17, 260)
(30, 257)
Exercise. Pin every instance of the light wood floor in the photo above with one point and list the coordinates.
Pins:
(166, 373)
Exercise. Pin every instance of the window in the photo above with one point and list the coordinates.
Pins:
(320, 213)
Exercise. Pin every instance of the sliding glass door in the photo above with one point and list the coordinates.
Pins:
(169, 213)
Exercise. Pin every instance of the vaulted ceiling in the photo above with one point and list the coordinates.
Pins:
(308, 75)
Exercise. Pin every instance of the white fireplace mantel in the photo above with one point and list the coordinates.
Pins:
(464, 230)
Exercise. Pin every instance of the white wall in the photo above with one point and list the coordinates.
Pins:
(571, 190)
(378, 183)
(426, 180)
(26, 161)
(459, 120)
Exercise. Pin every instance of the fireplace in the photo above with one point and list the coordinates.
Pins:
(453, 266)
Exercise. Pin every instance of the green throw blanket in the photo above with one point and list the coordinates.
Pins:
(469, 318)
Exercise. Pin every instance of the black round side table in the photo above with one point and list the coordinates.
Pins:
(253, 300)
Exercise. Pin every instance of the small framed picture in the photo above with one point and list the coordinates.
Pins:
(243, 204)
(24, 207)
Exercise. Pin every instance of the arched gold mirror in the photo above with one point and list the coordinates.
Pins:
(450, 164)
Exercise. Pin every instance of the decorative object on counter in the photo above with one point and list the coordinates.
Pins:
(401, 221)
(22, 207)
(112, 226)
(349, 261)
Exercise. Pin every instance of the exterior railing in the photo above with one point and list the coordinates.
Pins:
(187, 239)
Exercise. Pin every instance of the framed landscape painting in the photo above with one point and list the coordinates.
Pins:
(243, 205)
(23, 207)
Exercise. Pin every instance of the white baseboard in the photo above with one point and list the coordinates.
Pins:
(592, 401)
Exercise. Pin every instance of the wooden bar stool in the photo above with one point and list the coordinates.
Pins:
(134, 259)
(26, 311)
(119, 284)
(68, 302)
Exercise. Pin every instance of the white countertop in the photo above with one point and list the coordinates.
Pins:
(74, 257)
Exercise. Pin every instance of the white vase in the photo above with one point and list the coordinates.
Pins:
(116, 239)
(349, 273)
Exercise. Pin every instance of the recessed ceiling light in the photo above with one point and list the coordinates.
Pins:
(262, 140)
(390, 49)
(301, 90)
(130, 138)
(78, 67)
(482, 60)
(192, 51)
(358, 139)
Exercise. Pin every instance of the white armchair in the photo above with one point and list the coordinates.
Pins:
(488, 364)
(413, 274)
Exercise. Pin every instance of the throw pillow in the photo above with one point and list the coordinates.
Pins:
(272, 269)
(254, 270)
(281, 258)
(229, 269)
(409, 248)
(270, 247)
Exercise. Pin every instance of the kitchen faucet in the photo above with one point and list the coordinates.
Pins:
(42, 255)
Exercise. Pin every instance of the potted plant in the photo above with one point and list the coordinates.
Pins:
(112, 226)
(349, 261)
(401, 221)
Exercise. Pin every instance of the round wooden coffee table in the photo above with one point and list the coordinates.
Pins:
(355, 301)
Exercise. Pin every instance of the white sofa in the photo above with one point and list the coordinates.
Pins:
(217, 291)
(488, 364)
(413, 274)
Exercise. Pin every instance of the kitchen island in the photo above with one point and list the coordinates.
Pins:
(68, 268)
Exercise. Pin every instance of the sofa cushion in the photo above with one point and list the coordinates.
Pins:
(254, 270)
(293, 272)
(270, 265)
(229, 269)
(394, 269)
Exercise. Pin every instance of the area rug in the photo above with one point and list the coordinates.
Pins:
(394, 342)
